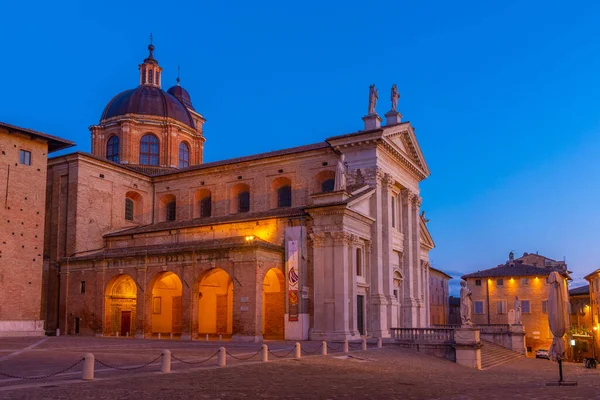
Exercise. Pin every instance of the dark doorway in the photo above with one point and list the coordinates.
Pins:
(77, 319)
(125, 322)
(360, 317)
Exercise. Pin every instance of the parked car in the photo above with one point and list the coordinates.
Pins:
(542, 353)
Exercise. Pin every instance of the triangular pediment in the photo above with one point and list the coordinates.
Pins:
(426, 239)
(402, 138)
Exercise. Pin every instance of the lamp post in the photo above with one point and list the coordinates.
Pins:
(594, 329)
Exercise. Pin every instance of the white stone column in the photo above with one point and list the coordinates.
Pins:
(416, 244)
(341, 285)
(387, 183)
(409, 300)
(377, 299)
(319, 290)
(352, 292)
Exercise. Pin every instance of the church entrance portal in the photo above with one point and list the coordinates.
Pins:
(273, 304)
(360, 317)
(120, 296)
(215, 303)
(166, 304)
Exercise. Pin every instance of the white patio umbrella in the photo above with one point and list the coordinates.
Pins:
(558, 317)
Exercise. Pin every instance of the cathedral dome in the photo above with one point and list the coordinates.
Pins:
(149, 100)
(181, 94)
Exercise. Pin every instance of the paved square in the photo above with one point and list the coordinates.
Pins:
(388, 373)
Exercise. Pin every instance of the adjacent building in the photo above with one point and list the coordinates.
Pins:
(496, 289)
(322, 241)
(580, 335)
(23, 165)
(438, 297)
(594, 298)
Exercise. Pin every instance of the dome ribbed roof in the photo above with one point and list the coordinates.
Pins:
(181, 94)
(148, 100)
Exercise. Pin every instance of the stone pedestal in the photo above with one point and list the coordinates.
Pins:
(468, 347)
(517, 338)
(393, 117)
(372, 121)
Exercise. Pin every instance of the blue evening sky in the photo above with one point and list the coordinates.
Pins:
(504, 97)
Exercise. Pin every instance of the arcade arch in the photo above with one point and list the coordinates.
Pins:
(166, 306)
(215, 303)
(273, 304)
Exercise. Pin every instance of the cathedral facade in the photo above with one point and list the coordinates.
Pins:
(323, 241)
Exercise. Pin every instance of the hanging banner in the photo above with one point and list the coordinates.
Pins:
(293, 279)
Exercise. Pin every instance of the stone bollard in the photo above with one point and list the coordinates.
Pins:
(165, 362)
(379, 343)
(220, 337)
(207, 337)
(265, 353)
(222, 361)
(87, 372)
(364, 344)
(346, 346)
(57, 332)
(171, 336)
(298, 350)
(159, 336)
(117, 333)
(127, 334)
(324, 348)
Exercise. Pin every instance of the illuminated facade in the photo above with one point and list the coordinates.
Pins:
(495, 290)
(324, 241)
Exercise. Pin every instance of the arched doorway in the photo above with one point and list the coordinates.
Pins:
(120, 306)
(215, 303)
(166, 306)
(273, 304)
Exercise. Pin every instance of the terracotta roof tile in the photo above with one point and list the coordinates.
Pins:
(54, 142)
(582, 290)
(513, 269)
(196, 222)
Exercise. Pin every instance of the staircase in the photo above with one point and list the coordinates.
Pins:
(493, 355)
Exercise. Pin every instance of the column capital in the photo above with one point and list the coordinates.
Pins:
(340, 237)
(408, 196)
(417, 200)
(317, 239)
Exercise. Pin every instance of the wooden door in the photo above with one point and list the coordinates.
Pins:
(125, 322)
(360, 317)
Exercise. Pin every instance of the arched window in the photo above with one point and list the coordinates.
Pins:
(328, 185)
(171, 210)
(244, 201)
(112, 149)
(184, 155)
(129, 211)
(205, 206)
(149, 149)
(284, 196)
(150, 76)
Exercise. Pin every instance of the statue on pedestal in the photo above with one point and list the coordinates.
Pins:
(517, 311)
(340, 174)
(466, 304)
(372, 100)
(395, 96)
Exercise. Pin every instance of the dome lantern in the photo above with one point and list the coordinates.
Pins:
(150, 71)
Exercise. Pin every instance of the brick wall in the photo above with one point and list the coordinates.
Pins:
(22, 214)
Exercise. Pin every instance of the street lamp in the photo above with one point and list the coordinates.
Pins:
(594, 329)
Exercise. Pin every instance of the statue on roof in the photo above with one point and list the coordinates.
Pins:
(340, 174)
(395, 96)
(372, 100)
(466, 304)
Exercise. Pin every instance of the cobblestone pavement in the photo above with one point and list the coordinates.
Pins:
(388, 373)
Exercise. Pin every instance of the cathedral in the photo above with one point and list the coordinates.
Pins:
(322, 241)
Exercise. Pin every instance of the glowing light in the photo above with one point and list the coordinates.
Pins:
(249, 238)
(595, 328)
(572, 342)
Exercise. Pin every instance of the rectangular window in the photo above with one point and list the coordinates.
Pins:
(359, 269)
(25, 157)
(171, 211)
(477, 282)
(393, 212)
(500, 282)
(82, 287)
(501, 307)
(129, 209)
(479, 307)
(524, 281)
(525, 307)
(545, 306)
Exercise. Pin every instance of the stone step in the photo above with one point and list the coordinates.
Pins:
(493, 355)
